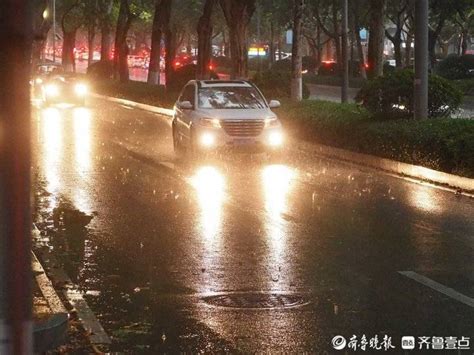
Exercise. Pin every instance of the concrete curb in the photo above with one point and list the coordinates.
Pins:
(51, 333)
(392, 166)
(154, 109)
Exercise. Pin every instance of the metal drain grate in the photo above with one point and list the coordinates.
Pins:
(256, 300)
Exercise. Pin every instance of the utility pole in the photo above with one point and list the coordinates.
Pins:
(15, 217)
(344, 55)
(421, 59)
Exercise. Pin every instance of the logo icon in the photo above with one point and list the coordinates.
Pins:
(408, 343)
(339, 342)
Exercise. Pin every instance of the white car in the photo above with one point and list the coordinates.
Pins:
(215, 114)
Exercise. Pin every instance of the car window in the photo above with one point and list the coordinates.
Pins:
(188, 94)
(228, 97)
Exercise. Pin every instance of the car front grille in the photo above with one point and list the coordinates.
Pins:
(243, 128)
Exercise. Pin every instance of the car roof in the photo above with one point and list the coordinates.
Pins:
(214, 83)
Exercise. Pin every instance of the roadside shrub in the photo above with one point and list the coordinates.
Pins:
(391, 96)
(276, 84)
(309, 63)
(101, 70)
(282, 65)
(456, 67)
(441, 144)
(182, 75)
(255, 62)
(222, 62)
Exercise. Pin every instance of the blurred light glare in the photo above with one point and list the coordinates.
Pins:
(275, 139)
(80, 89)
(52, 90)
(209, 184)
(207, 139)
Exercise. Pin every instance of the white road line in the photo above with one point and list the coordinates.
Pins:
(447, 291)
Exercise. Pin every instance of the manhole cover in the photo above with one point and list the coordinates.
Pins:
(256, 300)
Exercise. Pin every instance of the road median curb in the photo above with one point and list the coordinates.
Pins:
(50, 333)
(413, 171)
(409, 170)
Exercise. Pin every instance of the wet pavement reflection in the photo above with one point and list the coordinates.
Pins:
(164, 234)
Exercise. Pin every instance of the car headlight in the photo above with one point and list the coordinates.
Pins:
(80, 89)
(207, 139)
(271, 122)
(210, 122)
(39, 81)
(52, 90)
(275, 139)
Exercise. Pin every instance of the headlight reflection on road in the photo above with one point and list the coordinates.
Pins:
(210, 186)
(51, 128)
(82, 138)
(277, 182)
(424, 198)
(82, 155)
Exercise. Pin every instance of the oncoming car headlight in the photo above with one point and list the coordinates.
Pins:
(275, 139)
(52, 90)
(210, 122)
(80, 89)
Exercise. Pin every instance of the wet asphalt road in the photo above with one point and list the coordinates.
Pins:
(241, 254)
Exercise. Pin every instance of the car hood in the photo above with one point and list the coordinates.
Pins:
(237, 114)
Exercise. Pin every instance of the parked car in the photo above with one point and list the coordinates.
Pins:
(218, 114)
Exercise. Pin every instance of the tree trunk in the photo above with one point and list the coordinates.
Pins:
(464, 40)
(69, 43)
(121, 46)
(377, 36)
(358, 40)
(170, 38)
(237, 14)
(408, 49)
(272, 45)
(160, 23)
(90, 44)
(337, 38)
(105, 7)
(396, 40)
(204, 31)
(296, 59)
(279, 48)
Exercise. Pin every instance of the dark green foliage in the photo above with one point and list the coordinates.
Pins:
(332, 80)
(308, 63)
(456, 67)
(182, 75)
(441, 144)
(222, 62)
(276, 84)
(103, 69)
(391, 96)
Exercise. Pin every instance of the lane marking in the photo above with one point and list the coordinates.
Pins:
(447, 291)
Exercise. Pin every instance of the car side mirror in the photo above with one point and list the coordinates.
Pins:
(274, 104)
(185, 105)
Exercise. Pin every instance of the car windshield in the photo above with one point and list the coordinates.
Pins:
(230, 97)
